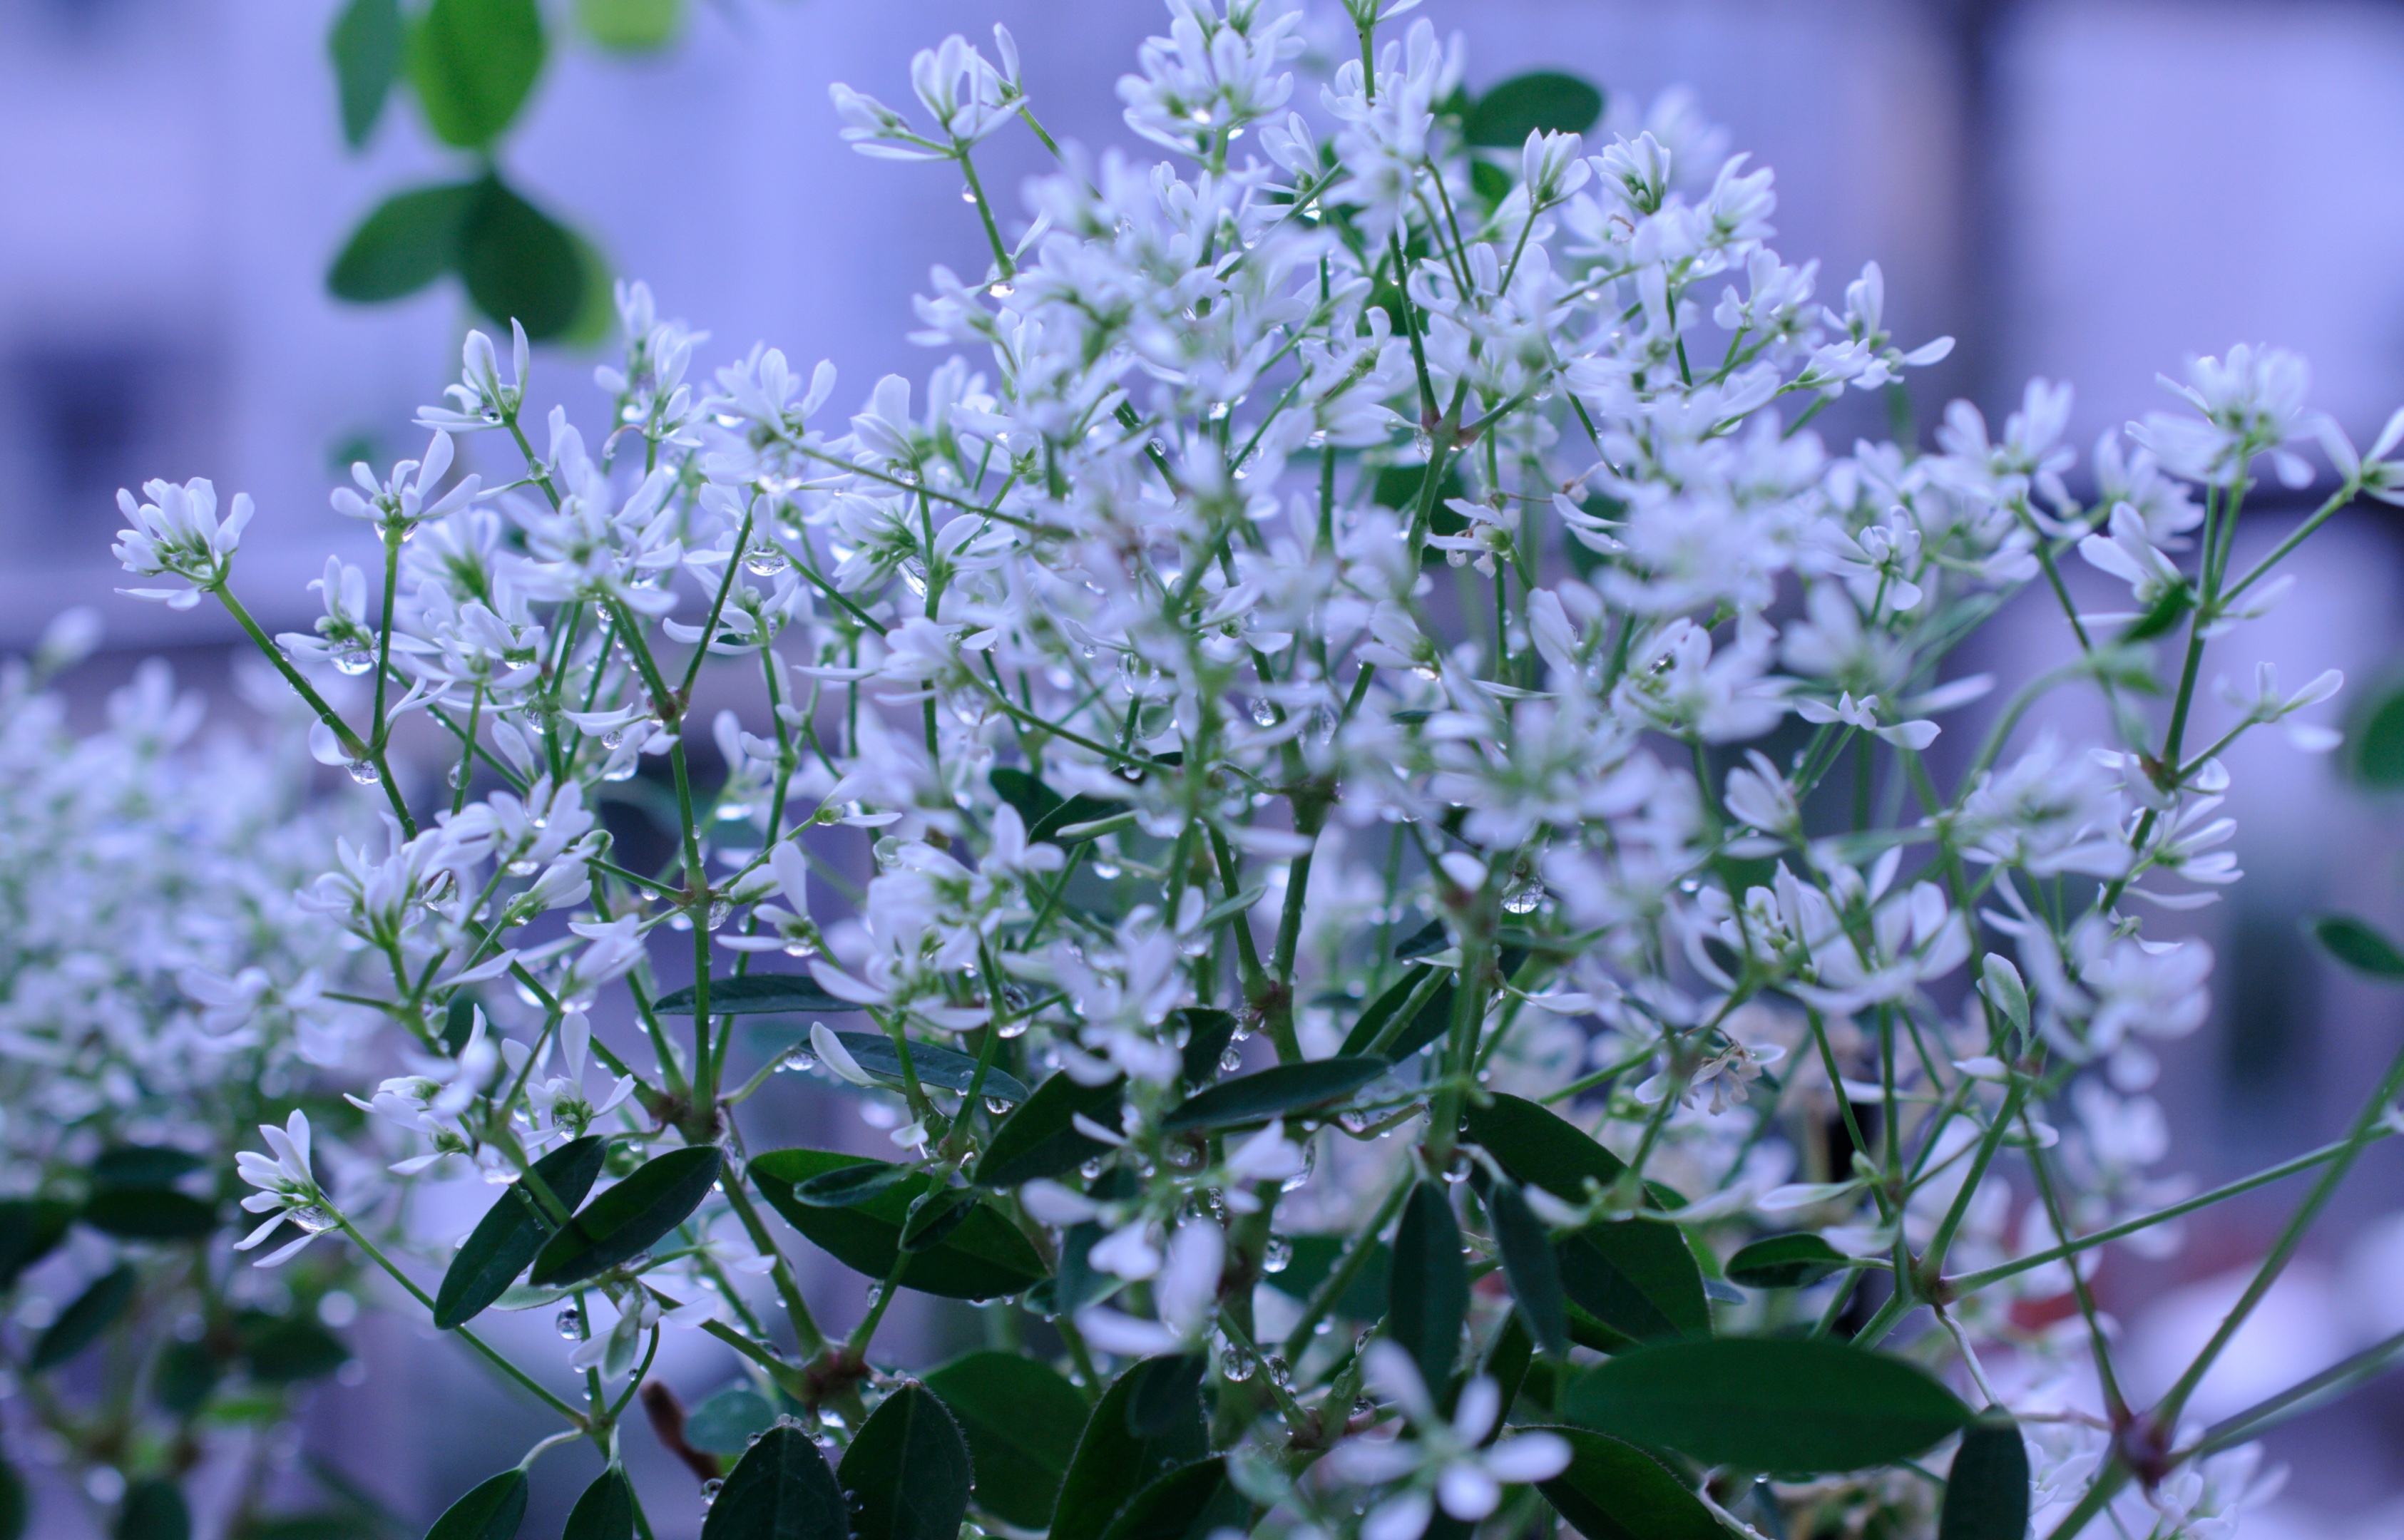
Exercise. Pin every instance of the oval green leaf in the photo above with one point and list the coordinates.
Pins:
(1429, 1024)
(727, 1422)
(1022, 1421)
(1530, 1267)
(288, 1350)
(366, 45)
(1272, 1092)
(182, 1377)
(2378, 744)
(2358, 946)
(631, 26)
(143, 1166)
(780, 1490)
(1192, 1500)
(520, 264)
(907, 1473)
(1785, 1262)
(473, 62)
(935, 1213)
(1987, 1491)
(512, 1230)
(757, 995)
(149, 1213)
(605, 1512)
(408, 242)
(1207, 1032)
(985, 1257)
(1113, 1463)
(1430, 1282)
(1544, 100)
(30, 1229)
(845, 1185)
(492, 1510)
(1041, 1137)
(1768, 1404)
(1613, 1491)
(946, 1068)
(628, 1218)
(93, 1311)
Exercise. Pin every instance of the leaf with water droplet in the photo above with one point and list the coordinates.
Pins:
(947, 1069)
(1530, 1267)
(605, 1512)
(1273, 1092)
(626, 1220)
(1613, 1491)
(1430, 1284)
(780, 1490)
(1193, 1500)
(908, 1472)
(1784, 1262)
(727, 1421)
(513, 1231)
(1022, 1421)
(757, 995)
(1040, 1138)
(1113, 1462)
(984, 1257)
(1207, 1035)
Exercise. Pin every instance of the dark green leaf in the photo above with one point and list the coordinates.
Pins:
(1193, 1500)
(906, 1475)
(845, 1185)
(1112, 1463)
(365, 45)
(1509, 1356)
(1528, 1264)
(1986, 1491)
(512, 1230)
(2358, 946)
(1068, 814)
(1040, 1139)
(492, 1510)
(1316, 1256)
(1430, 1282)
(946, 1068)
(182, 1378)
(757, 995)
(1207, 1032)
(93, 1311)
(143, 1166)
(1432, 1020)
(1492, 184)
(726, 1423)
(1272, 1092)
(1161, 1392)
(458, 1022)
(934, 1214)
(30, 1229)
(2166, 612)
(473, 61)
(153, 1510)
(2379, 743)
(1426, 942)
(1022, 1421)
(1768, 1404)
(1613, 1491)
(985, 1257)
(631, 26)
(1026, 794)
(1544, 100)
(16, 1506)
(605, 1512)
(411, 240)
(628, 1218)
(152, 1213)
(519, 264)
(288, 1351)
(780, 1490)
(1784, 1262)
(1636, 1278)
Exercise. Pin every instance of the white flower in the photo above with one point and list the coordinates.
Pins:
(287, 1189)
(1184, 1289)
(177, 533)
(1447, 1464)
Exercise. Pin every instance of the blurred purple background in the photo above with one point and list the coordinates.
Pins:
(2085, 189)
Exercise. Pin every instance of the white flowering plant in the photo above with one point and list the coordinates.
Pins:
(1419, 947)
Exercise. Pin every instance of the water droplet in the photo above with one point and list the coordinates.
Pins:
(1302, 1178)
(1217, 412)
(522, 867)
(998, 1106)
(733, 813)
(1524, 898)
(1106, 870)
(1277, 1254)
(457, 776)
(356, 661)
(1230, 1061)
(614, 737)
(570, 1323)
(709, 1490)
(799, 1061)
(1182, 1157)
(1264, 713)
(799, 946)
(1091, 1169)
(968, 195)
(1015, 1027)
(1000, 289)
(720, 910)
(364, 773)
(1236, 1362)
(1280, 1372)
(764, 561)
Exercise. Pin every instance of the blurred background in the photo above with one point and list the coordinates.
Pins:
(2084, 190)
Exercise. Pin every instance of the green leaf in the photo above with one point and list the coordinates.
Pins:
(492, 1510)
(1768, 1404)
(1022, 1421)
(1207, 1032)
(30, 1229)
(288, 1351)
(458, 1022)
(1784, 1262)
(906, 1475)
(1069, 815)
(149, 1213)
(605, 1512)
(631, 26)
(16, 1506)
(1272, 1092)
(1542, 100)
(726, 1423)
(935, 1213)
(628, 1218)
(1432, 1020)
(1026, 794)
(846, 1186)
(411, 240)
(2377, 742)
(1193, 1500)
(1987, 1491)
(512, 1230)
(93, 1311)
(520, 264)
(473, 61)
(1492, 184)
(2166, 612)
(758, 994)
(1161, 1390)
(986, 1256)
(1426, 942)
(142, 1166)
(1040, 1138)
(780, 1490)
(153, 1510)
(1530, 1267)
(182, 1378)
(2358, 946)
(1636, 1278)
(1112, 1463)
(946, 1068)
(1430, 1282)
(1613, 1491)
(366, 45)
